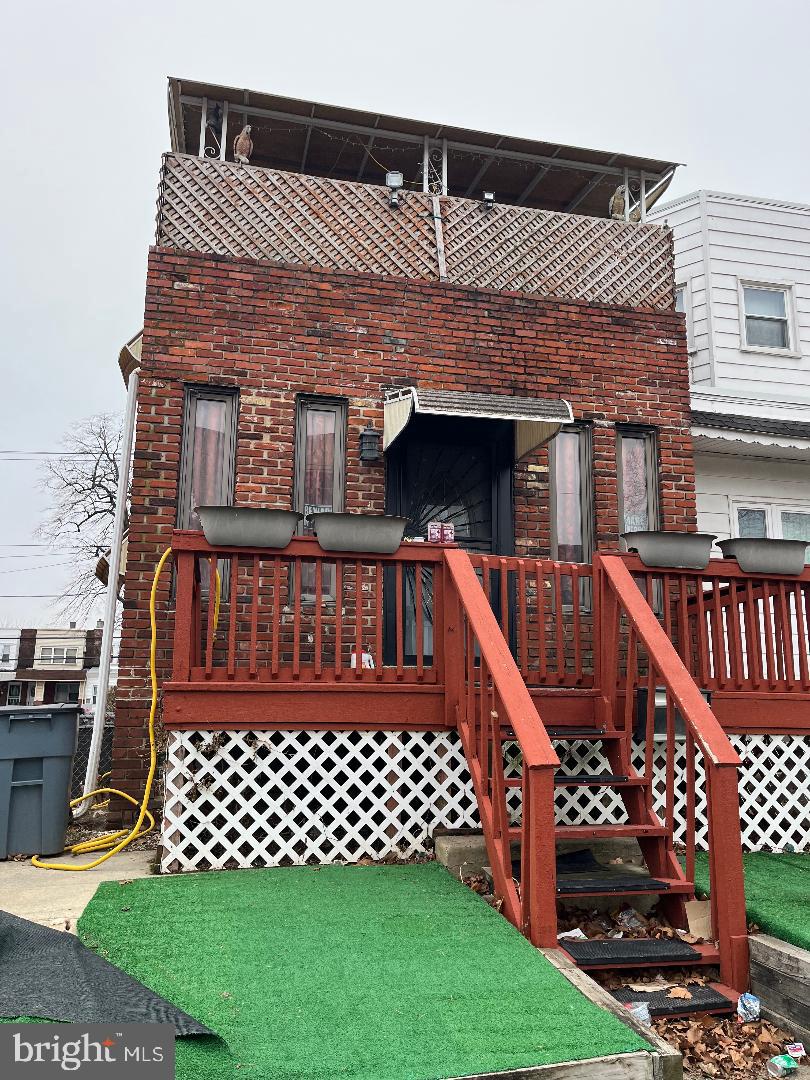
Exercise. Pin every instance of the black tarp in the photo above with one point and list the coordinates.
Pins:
(51, 975)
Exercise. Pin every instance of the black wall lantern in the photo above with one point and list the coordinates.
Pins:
(370, 444)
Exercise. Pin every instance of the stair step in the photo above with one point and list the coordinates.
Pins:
(587, 780)
(596, 780)
(607, 831)
(582, 733)
(619, 885)
(714, 998)
(598, 832)
(640, 953)
(630, 952)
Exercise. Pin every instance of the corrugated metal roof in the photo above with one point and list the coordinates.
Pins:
(291, 134)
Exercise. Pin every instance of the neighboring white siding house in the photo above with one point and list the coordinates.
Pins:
(742, 271)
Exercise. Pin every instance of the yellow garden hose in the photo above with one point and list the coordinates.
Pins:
(112, 843)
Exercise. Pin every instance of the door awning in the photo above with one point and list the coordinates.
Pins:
(536, 420)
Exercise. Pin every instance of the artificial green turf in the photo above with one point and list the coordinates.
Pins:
(379, 972)
(777, 893)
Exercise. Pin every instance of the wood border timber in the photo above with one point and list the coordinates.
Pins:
(666, 1061)
(780, 977)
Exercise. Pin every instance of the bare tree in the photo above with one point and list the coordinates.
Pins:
(83, 482)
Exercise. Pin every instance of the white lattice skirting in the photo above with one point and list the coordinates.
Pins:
(292, 797)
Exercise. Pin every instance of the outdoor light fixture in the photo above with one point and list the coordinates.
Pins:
(488, 199)
(370, 444)
(394, 182)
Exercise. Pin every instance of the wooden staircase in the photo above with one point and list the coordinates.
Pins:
(493, 710)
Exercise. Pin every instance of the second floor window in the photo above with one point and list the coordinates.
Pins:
(767, 323)
(208, 452)
(637, 455)
(58, 655)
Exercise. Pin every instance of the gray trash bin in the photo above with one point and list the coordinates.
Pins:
(37, 744)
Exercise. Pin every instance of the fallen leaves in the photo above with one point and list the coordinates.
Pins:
(714, 1046)
(680, 993)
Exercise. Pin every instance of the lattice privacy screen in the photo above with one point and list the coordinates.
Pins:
(247, 212)
(292, 797)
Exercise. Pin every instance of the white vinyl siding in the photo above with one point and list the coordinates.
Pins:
(727, 482)
(743, 242)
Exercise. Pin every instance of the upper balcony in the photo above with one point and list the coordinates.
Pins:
(314, 194)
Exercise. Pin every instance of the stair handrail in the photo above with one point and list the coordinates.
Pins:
(532, 906)
(619, 594)
(705, 727)
(523, 716)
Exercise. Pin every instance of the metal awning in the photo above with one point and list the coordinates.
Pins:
(536, 420)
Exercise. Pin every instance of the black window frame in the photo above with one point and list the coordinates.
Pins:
(340, 407)
(193, 394)
(650, 436)
(320, 403)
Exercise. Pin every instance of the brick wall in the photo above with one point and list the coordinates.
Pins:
(277, 331)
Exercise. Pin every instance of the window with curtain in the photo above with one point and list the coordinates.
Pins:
(638, 479)
(207, 462)
(571, 496)
(320, 472)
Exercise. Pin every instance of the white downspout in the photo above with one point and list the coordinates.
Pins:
(94, 755)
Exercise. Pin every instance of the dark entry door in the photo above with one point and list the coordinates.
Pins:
(452, 470)
(458, 471)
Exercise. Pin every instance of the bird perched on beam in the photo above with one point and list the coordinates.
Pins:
(243, 146)
(616, 204)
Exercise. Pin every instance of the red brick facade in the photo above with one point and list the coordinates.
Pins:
(276, 331)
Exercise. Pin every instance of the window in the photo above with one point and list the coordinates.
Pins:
(680, 299)
(766, 317)
(637, 459)
(571, 495)
(208, 451)
(320, 451)
(320, 473)
(66, 693)
(787, 521)
(52, 654)
(71, 656)
(14, 693)
(5, 654)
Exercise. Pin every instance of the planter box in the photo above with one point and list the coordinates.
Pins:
(673, 550)
(248, 526)
(760, 555)
(378, 533)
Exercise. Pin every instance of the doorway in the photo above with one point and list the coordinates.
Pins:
(455, 470)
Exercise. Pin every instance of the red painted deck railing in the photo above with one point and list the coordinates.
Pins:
(734, 631)
(636, 652)
(302, 615)
(545, 611)
(487, 697)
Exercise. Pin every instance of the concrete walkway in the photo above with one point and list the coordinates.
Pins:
(56, 898)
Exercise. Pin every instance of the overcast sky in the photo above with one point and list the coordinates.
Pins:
(718, 85)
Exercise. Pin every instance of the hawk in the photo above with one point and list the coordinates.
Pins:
(243, 146)
(616, 204)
